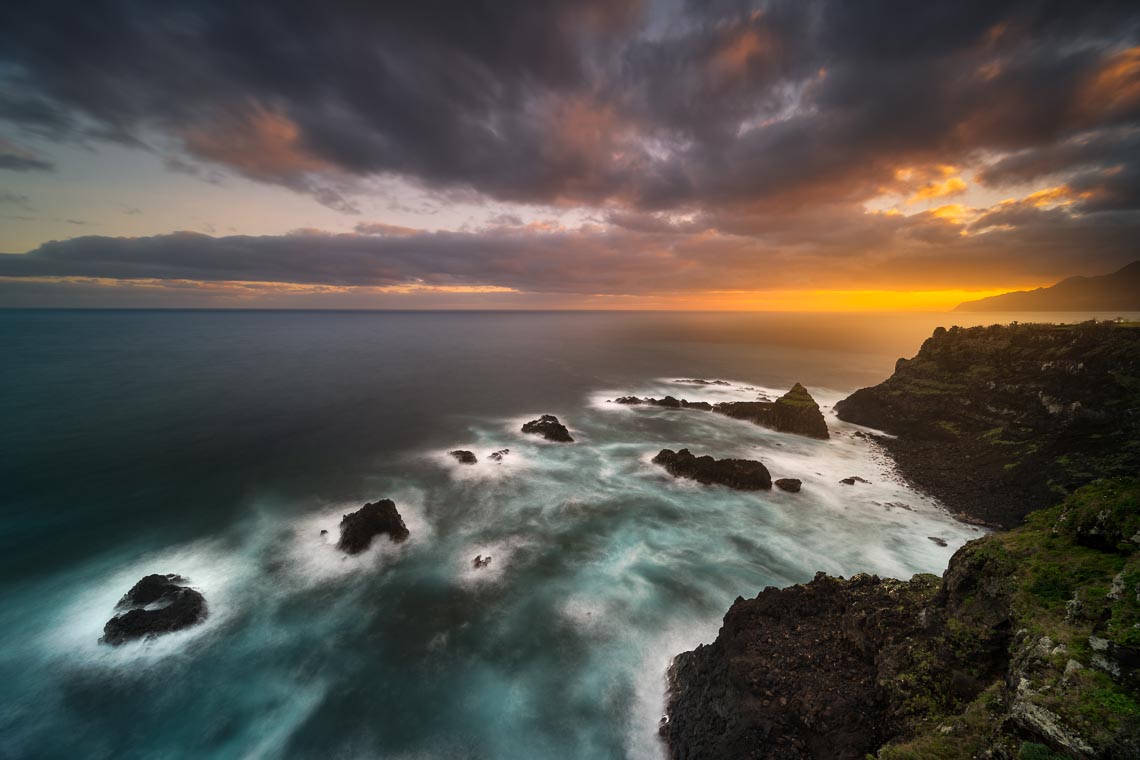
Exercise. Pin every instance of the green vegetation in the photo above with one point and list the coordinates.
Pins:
(1066, 586)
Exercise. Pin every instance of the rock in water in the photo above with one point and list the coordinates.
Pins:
(789, 484)
(358, 528)
(497, 456)
(742, 474)
(794, 412)
(155, 605)
(463, 457)
(549, 428)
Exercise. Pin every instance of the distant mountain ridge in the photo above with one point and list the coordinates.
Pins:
(1117, 291)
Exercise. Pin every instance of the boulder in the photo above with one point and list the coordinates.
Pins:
(358, 528)
(789, 484)
(463, 457)
(627, 400)
(741, 474)
(549, 428)
(155, 605)
(497, 456)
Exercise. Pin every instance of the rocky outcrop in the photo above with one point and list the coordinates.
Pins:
(1024, 648)
(789, 484)
(463, 457)
(741, 474)
(357, 529)
(549, 428)
(794, 412)
(997, 421)
(155, 605)
(669, 402)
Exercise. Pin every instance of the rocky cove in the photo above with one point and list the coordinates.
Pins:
(1028, 645)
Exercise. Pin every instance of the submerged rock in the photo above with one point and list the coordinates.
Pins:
(480, 561)
(794, 412)
(497, 456)
(358, 528)
(155, 605)
(789, 484)
(549, 428)
(853, 480)
(463, 457)
(741, 474)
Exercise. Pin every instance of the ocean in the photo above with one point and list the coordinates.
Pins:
(218, 444)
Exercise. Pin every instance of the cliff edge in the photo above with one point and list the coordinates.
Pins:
(997, 421)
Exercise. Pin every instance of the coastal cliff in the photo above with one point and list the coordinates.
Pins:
(1028, 647)
(998, 421)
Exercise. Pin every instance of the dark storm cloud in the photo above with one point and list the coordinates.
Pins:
(728, 143)
(15, 158)
(583, 101)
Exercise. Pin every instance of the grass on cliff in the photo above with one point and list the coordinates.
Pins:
(1070, 573)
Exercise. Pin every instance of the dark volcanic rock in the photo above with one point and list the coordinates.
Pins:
(742, 474)
(792, 674)
(549, 428)
(1026, 647)
(853, 480)
(463, 457)
(789, 484)
(155, 605)
(997, 421)
(497, 456)
(811, 671)
(358, 528)
(794, 412)
(669, 402)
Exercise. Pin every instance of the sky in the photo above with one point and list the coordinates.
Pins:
(600, 154)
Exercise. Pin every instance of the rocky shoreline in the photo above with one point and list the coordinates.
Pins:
(998, 421)
(1028, 646)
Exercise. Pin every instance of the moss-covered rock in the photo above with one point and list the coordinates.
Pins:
(1028, 647)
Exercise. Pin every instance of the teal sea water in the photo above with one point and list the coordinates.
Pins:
(218, 445)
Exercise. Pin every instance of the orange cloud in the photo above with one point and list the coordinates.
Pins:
(952, 186)
(732, 59)
(953, 212)
(1116, 87)
(263, 143)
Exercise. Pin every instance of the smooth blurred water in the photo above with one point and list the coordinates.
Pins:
(217, 445)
